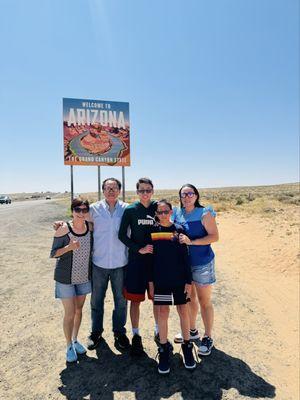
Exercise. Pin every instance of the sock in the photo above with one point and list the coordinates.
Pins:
(135, 331)
(193, 330)
(156, 331)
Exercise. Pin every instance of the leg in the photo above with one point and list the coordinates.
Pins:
(163, 315)
(207, 311)
(193, 307)
(120, 304)
(68, 322)
(99, 287)
(183, 313)
(135, 313)
(79, 302)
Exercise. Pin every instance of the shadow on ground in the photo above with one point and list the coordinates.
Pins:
(100, 377)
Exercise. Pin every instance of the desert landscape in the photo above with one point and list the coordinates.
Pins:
(256, 300)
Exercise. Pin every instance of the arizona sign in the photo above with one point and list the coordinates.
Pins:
(96, 132)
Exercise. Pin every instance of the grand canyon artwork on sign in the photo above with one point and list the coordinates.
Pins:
(96, 132)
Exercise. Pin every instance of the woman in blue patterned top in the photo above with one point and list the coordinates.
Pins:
(201, 230)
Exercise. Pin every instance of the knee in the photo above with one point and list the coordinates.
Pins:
(69, 317)
(163, 312)
(205, 303)
(182, 310)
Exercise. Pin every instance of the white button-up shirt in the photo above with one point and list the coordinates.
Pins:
(108, 251)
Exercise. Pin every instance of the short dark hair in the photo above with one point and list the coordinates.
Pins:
(197, 203)
(164, 201)
(79, 201)
(144, 180)
(112, 179)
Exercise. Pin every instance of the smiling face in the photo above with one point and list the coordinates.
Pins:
(163, 213)
(188, 197)
(111, 191)
(80, 212)
(145, 191)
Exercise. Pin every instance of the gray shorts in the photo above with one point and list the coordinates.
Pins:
(204, 275)
(66, 291)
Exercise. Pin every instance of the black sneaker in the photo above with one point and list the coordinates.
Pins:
(194, 335)
(205, 346)
(122, 341)
(157, 341)
(188, 357)
(94, 340)
(137, 348)
(164, 359)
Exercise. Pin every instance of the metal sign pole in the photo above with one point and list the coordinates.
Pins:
(123, 183)
(72, 186)
(99, 183)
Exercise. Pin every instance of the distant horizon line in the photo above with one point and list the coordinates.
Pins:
(173, 189)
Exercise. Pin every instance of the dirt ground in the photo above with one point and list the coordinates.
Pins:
(256, 310)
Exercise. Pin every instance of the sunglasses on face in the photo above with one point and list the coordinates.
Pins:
(142, 191)
(164, 212)
(187, 194)
(80, 210)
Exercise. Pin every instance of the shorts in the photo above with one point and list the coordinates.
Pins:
(136, 280)
(66, 291)
(169, 296)
(204, 275)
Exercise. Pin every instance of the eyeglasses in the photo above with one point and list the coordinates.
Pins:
(80, 210)
(187, 194)
(142, 191)
(165, 212)
(111, 189)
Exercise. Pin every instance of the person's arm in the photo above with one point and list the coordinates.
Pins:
(123, 235)
(212, 236)
(61, 242)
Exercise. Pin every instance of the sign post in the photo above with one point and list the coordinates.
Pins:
(72, 186)
(123, 183)
(99, 183)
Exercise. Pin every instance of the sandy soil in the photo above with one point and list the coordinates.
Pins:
(256, 330)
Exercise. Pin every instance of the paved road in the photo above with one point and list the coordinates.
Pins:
(18, 205)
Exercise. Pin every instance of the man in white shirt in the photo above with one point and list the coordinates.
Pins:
(109, 260)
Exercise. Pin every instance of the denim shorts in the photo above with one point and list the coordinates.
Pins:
(66, 291)
(204, 275)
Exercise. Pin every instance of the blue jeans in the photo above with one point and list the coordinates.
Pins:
(100, 278)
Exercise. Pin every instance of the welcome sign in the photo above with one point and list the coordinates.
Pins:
(96, 132)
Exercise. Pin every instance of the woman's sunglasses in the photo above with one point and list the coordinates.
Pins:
(80, 210)
(187, 194)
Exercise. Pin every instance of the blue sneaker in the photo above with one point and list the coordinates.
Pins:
(71, 355)
(164, 359)
(206, 345)
(79, 348)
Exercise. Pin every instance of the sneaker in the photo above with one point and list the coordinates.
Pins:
(194, 336)
(178, 338)
(71, 355)
(93, 341)
(137, 348)
(205, 346)
(157, 341)
(122, 341)
(79, 348)
(164, 359)
(188, 357)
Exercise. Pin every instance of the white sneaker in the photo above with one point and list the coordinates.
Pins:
(194, 336)
(71, 355)
(79, 348)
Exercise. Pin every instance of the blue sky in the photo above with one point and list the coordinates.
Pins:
(213, 89)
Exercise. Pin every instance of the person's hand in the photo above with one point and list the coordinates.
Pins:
(57, 224)
(151, 290)
(188, 290)
(183, 239)
(148, 249)
(74, 244)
